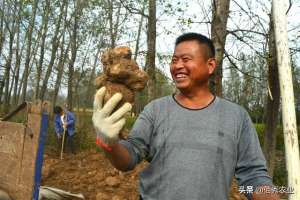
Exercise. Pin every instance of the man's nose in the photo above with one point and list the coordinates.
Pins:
(178, 64)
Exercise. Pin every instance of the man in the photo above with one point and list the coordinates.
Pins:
(194, 141)
(64, 123)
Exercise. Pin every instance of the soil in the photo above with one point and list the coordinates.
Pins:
(91, 174)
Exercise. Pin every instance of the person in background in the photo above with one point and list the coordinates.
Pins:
(64, 123)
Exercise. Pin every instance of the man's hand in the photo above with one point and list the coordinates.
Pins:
(265, 195)
(109, 125)
(58, 135)
(65, 126)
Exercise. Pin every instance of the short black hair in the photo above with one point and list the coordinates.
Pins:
(201, 39)
(57, 110)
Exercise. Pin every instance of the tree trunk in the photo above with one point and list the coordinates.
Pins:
(61, 62)
(42, 48)
(8, 68)
(2, 40)
(82, 74)
(17, 68)
(2, 28)
(60, 71)
(17, 57)
(91, 79)
(273, 99)
(11, 88)
(151, 43)
(28, 50)
(218, 35)
(74, 48)
(287, 98)
(139, 32)
(12, 31)
(137, 105)
(55, 44)
(113, 27)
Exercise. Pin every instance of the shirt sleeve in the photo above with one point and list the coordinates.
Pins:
(251, 167)
(70, 119)
(138, 142)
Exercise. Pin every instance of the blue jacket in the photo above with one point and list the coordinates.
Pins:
(58, 125)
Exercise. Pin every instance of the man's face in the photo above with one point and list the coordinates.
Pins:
(190, 68)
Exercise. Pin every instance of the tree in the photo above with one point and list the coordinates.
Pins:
(60, 70)
(12, 31)
(78, 7)
(151, 43)
(287, 98)
(44, 29)
(28, 49)
(113, 27)
(88, 95)
(55, 44)
(2, 27)
(139, 31)
(272, 107)
(232, 85)
(17, 64)
(218, 34)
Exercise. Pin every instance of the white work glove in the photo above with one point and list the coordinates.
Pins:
(107, 125)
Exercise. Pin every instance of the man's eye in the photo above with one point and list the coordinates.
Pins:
(185, 59)
(173, 61)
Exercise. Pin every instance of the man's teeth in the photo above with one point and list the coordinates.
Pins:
(180, 76)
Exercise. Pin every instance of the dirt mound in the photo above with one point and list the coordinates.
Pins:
(91, 174)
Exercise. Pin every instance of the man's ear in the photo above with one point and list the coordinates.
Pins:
(212, 64)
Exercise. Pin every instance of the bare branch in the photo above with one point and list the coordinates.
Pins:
(290, 5)
(248, 31)
(237, 68)
(133, 10)
(242, 40)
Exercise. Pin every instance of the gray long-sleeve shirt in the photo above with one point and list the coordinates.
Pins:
(194, 153)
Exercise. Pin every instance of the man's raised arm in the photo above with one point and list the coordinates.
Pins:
(108, 125)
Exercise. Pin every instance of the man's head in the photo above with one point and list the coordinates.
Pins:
(206, 44)
(193, 62)
(58, 110)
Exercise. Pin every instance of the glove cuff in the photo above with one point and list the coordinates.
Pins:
(103, 146)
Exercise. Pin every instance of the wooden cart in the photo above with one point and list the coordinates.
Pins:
(21, 150)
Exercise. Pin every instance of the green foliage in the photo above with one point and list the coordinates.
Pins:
(51, 137)
(163, 87)
(129, 122)
(280, 172)
(260, 132)
(279, 137)
(19, 117)
(85, 134)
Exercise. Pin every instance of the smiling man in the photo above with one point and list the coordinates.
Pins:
(194, 141)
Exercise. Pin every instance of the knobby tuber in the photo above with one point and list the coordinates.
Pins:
(121, 74)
